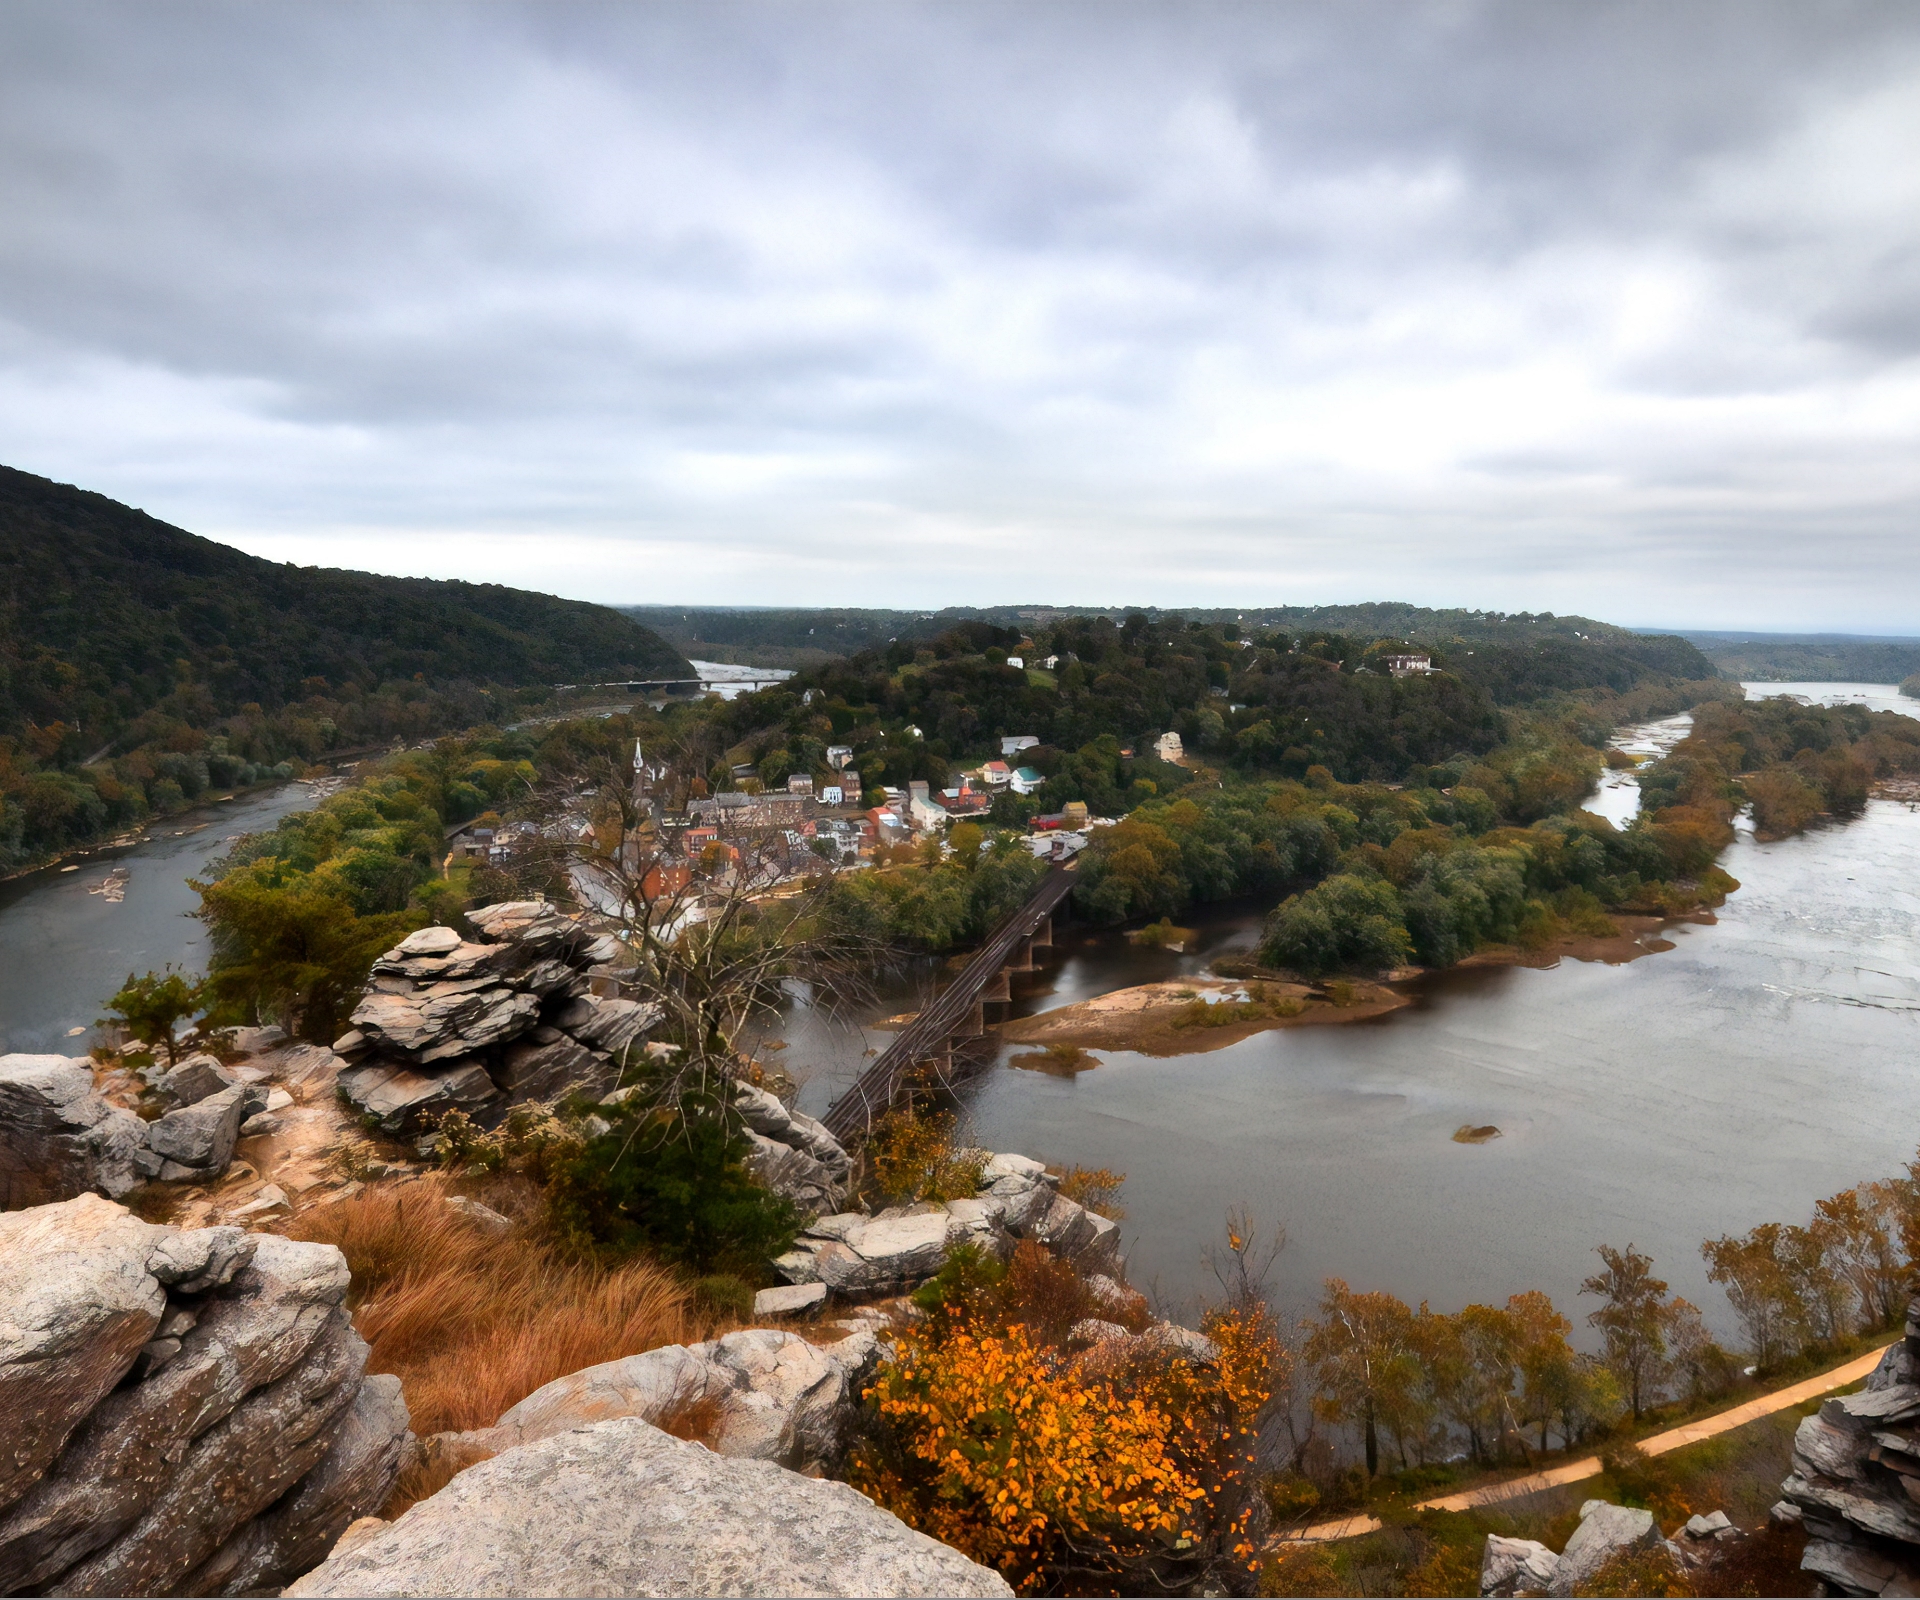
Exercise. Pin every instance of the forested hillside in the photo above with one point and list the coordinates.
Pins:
(141, 664)
(1810, 657)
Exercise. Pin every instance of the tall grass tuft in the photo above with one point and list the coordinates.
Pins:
(473, 1323)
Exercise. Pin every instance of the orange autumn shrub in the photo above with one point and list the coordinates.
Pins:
(1070, 1475)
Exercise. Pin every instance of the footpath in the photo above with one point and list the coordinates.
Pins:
(1589, 1466)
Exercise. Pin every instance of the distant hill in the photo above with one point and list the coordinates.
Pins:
(1810, 657)
(142, 667)
(1518, 656)
(106, 611)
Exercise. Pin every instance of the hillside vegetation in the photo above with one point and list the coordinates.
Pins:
(1811, 657)
(141, 665)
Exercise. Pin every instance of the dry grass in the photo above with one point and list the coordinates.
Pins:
(473, 1324)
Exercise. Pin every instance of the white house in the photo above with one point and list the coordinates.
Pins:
(1025, 780)
(1016, 661)
(1014, 743)
(1169, 748)
(1409, 666)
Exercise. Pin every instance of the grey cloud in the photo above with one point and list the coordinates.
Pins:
(756, 299)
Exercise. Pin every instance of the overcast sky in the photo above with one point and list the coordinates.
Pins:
(1544, 306)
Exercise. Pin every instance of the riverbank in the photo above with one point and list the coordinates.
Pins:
(1188, 1016)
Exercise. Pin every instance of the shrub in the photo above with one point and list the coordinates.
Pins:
(1063, 1478)
(911, 1158)
(674, 1184)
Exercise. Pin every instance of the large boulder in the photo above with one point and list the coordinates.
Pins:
(622, 1508)
(1516, 1566)
(76, 1304)
(759, 1394)
(1855, 1482)
(58, 1138)
(178, 1387)
(1605, 1532)
(196, 1141)
(876, 1255)
(191, 1080)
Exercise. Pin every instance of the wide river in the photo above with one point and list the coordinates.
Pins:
(1769, 1059)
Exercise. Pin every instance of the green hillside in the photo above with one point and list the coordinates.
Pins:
(141, 664)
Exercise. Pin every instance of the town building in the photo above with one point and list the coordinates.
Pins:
(1025, 780)
(1409, 666)
(1169, 748)
(1013, 743)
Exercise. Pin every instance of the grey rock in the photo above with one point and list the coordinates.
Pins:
(199, 1138)
(261, 1125)
(132, 1470)
(428, 942)
(531, 1070)
(610, 1026)
(1605, 1531)
(192, 1080)
(1508, 1566)
(483, 1217)
(884, 1255)
(765, 1114)
(1090, 1241)
(1859, 1569)
(231, 1471)
(76, 1305)
(400, 1099)
(353, 1480)
(789, 1299)
(772, 1396)
(793, 1174)
(188, 1263)
(58, 1138)
(981, 1223)
(1091, 1330)
(1830, 1451)
(531, 925)
(622, 1508)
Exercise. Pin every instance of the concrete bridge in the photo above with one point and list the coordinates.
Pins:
(958, 1012)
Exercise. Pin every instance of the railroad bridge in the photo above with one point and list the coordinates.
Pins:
(958, 1012)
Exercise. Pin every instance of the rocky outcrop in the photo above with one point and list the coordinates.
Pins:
(1856, 1478)
(759, 1395)
(622, 1508)
(1515, 1566)
(1606, 1532)
(187, 1412)
(792, 1154)
(58, 1138)
(859, 1256)
(195, 1142)
(446, 1024)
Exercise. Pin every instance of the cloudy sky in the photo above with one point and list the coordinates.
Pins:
(1576, 307)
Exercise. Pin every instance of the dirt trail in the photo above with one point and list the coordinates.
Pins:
(1589, 1466)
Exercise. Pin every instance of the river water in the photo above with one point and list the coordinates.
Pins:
(68, 940)
(1769, 1059)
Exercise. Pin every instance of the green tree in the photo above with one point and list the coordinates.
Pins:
(151, 1008)
(1347, 923)
(1633, 1320)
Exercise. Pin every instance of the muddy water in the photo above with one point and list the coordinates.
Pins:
(1769, 1059)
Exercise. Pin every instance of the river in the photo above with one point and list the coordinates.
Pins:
(1764, 1062)
(67, 941)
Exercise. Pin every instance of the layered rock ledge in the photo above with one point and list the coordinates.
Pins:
(186, 1412)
